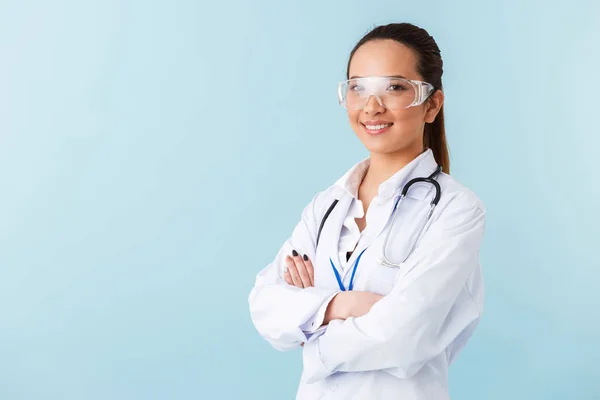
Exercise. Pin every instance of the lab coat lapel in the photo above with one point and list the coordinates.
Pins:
(418, 191)
(329, 241)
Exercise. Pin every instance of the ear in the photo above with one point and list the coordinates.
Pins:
(433, 106)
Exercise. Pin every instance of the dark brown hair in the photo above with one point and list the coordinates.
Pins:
(429, 66)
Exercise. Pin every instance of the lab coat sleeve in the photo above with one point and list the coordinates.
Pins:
(417, 320)
(280, 312)
(314, 327)
(314, 323)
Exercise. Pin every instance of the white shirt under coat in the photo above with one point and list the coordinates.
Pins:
(403, 347)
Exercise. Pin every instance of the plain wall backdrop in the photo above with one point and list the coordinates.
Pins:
(154, 155)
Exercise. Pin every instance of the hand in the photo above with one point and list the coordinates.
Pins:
(299, 271)
(350, 304)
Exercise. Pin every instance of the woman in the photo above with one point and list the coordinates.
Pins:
(377, 324)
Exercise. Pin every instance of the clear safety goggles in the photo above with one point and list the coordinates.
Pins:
(390, 92)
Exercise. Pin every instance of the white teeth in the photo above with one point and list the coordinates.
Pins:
(377, 127)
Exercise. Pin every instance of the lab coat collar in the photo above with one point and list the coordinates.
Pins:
(422, 165)
(352, 179)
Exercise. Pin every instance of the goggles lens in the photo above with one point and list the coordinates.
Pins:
(391, 93)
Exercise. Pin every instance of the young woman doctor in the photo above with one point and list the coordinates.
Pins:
(381, 293)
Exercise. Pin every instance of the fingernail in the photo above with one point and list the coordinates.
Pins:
(295, 253)
(305, 257)
(285, 269)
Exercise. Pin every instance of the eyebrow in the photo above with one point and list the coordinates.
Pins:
(387, 76)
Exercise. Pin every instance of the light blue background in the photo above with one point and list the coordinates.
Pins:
(154, 155)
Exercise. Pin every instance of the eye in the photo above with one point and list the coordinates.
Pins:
(396, 88)
(355, 88)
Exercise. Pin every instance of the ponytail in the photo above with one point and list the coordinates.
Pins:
(434, 137)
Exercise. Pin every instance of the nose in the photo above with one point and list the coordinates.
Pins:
(374, 105)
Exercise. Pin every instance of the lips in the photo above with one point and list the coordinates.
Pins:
(376, 127)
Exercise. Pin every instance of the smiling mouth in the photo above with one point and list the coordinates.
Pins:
(376, 128)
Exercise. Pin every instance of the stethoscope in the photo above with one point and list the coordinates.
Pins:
(384, 260)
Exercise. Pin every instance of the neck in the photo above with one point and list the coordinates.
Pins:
(385, 165)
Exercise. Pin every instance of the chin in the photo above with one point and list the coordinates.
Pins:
(383, 145)
(380, 148)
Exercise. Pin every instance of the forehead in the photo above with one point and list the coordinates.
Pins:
(384, 58)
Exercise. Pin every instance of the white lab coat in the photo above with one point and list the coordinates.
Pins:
(403, 347)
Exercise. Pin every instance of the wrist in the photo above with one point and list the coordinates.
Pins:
(337, 308)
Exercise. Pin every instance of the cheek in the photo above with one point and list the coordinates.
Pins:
(353, 117)
(409, 115)
(409, 120)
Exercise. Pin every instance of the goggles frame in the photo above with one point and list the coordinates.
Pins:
(423, 90)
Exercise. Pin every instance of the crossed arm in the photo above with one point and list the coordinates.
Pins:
(284, 298)
(299, 272)
(398, 333)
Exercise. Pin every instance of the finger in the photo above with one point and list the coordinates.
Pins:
(287, 277)
(310, 269)
(301, 268)
(293, 272)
